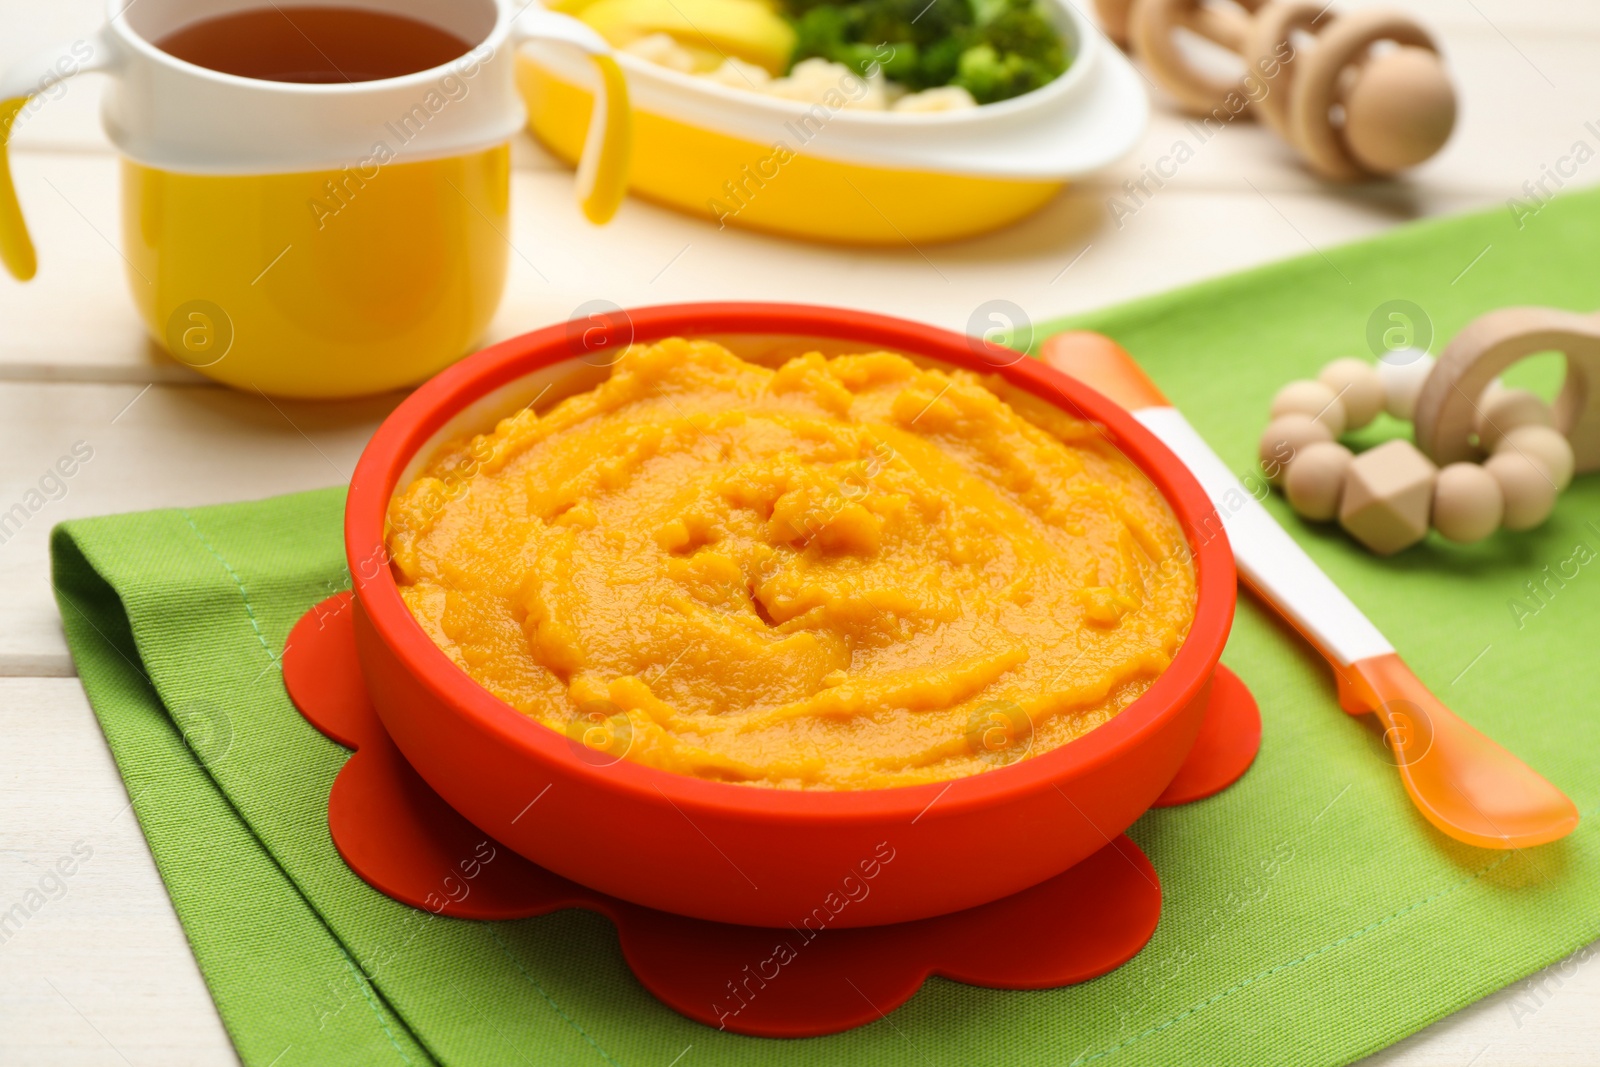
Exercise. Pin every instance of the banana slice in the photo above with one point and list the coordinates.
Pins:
(743, 29)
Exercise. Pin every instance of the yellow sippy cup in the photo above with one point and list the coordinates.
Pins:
(315, 196)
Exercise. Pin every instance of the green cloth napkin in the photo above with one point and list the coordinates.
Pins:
(1311, 915)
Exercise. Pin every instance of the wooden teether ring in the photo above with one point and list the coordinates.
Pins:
(1114, 19)
(1150, 29)
(1270, 31)
(1316, 85)
(1488, 345)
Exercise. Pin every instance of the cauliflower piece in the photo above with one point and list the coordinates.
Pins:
(818, 71)
(664, 51)
(808, 80)
(737, 74)
(811, 81)
(876, 98)
(941, 98)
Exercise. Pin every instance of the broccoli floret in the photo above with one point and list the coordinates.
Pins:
(900, 61)
(985, 10)
(1024, 32)
(980, 72)
(937, 64)
(833, 32)
(996, 49)
(796, 8)
(990, 76)
(1017, 50)
(895, 61)
(821, 31)
(923, 22)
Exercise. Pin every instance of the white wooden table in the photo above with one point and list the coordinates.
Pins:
(103, 975)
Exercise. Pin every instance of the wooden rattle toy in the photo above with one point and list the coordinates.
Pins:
(1388, 497)
(1368, 98)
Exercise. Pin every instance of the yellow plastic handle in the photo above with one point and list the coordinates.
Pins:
(16, 247)
(25, 81)
(608, 148)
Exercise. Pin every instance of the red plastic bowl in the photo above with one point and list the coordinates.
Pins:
(734, 853)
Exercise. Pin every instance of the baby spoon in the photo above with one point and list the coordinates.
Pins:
(1463, 783)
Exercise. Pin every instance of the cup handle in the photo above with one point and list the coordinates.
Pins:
(35, 77)
(608, 148)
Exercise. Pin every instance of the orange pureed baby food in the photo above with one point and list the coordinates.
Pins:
(846, 573)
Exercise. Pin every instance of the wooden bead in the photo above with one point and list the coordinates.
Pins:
(1155, 31)
(1388, 495)
(1501, 410)
(1311, 398)
(1114, 19)
(1529, 491)
(1284, 438)
(1400, 111)
(1315, 479)
(1359, 388)
(1544, 445)
(1403, 372)
(1467, 503)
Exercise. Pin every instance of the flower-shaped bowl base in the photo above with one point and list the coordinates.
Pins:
(399, 836)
